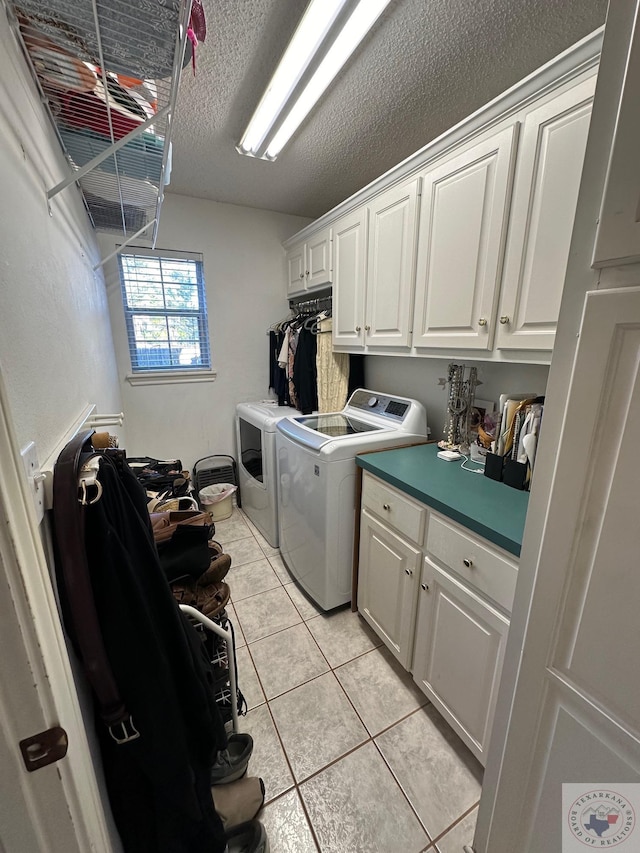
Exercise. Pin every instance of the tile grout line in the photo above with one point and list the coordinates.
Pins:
(431, 846)
(332, 670)
(456, 822)
(295, 787)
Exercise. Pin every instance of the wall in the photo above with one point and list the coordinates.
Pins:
(56, 350)
(419, 378)
(56, 358)
(244, 267)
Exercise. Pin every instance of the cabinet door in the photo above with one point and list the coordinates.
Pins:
(349, 271)
(388, 571)
(296, 280)
(318, 269)
(463, 220)
(545, 195)
(458, 653)
(391, 266)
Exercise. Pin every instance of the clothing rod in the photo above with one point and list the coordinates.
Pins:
(317, 303)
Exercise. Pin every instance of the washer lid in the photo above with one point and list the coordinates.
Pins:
(336, 425)
(263, 414)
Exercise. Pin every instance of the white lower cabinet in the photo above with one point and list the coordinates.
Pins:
(440, 598)
(458, 652)
(389, 572)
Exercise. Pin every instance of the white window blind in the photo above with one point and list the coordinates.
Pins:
(165, 311)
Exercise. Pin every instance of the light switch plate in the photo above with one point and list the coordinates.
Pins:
(35, 478)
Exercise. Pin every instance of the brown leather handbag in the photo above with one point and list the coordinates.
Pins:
(164, 524)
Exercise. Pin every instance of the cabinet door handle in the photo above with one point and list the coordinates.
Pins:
(468, 562)
(425, 586)
(408, 572)
(504, 320)
(358, 328)
(307, 272)
(367, 328)
(482, 321)
(386, 506)
(301, 275)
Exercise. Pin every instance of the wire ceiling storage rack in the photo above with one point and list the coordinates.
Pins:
(108, 74)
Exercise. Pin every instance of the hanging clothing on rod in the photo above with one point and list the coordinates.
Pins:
(332, 370)
(293, 349)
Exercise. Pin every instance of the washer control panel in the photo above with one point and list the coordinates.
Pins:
(394, 408)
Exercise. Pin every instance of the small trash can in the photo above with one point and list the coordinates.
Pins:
(217, 499)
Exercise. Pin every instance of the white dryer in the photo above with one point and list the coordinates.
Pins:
(256, 451)
(316, 485)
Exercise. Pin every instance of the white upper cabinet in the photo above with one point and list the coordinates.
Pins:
(295, 269)
(309, 264)
(391, 266)
(550, 158)
(349, 272)
(463, 220)
(318, 260)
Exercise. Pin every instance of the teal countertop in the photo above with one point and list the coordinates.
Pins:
(491, 509)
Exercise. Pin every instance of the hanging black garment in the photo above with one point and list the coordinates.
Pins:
(356, 373)
(305, 377)
(277, 376)
(159, 782)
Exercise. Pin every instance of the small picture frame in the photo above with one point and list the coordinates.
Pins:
(477, 415)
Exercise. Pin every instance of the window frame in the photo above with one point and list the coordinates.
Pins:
(164, 373)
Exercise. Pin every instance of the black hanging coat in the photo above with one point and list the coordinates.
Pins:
(158, 784)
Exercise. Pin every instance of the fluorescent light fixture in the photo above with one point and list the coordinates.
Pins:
(307, 40)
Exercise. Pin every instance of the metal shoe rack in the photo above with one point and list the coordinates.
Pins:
(108, 74)
(227, 695)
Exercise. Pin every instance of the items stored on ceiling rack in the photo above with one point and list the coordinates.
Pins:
(108, 74)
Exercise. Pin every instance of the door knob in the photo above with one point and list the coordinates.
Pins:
(386, 506)
(425, 586)
(504, 320)
(482, 321)
(408, 572)
(468, 562)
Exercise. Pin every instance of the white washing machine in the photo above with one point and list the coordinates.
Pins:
(316, 485)
(256, 451)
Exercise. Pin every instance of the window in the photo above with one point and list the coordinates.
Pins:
(165, 311)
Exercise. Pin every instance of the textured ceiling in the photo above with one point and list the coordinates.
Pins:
(426, 65)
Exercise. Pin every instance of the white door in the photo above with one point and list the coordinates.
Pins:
(57, 808)
(318, 270)
(458, 654)
(576, 710)
(391, 266)
(463, 219)
(296, 280)
(349, 276)
(550, 158)
(388, 573)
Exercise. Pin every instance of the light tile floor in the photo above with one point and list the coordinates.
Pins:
(352, 755)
